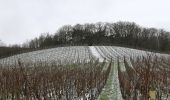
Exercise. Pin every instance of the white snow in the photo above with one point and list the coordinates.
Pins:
(62, 55)
(116, 85)
(95, 53)
(73, 54)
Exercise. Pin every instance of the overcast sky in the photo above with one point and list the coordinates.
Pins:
(21, 20)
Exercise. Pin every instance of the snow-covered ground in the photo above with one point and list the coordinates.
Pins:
(96, 53)
(61, 54)
(77, 53)
(115, 52)
(112, 91)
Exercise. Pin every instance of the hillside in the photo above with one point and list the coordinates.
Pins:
(114, 73)
(74, 53)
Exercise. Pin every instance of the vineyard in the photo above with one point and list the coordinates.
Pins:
(73, 54)
(85, 73)
(61, 55)
(141, 76)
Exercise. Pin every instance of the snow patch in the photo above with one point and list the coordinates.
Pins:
(96, 53)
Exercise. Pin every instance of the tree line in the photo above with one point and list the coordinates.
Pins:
(127, 34)
(120, 33)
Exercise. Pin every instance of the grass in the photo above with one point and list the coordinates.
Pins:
(110, 91)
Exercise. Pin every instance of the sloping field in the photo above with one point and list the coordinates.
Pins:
(116, 86)
(114, 52)
(76, 53)
(61, 54)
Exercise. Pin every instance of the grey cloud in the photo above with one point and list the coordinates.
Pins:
(24, 19)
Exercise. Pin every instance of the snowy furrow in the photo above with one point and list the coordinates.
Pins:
(116, 84)
(96, 53)
(112, 91)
